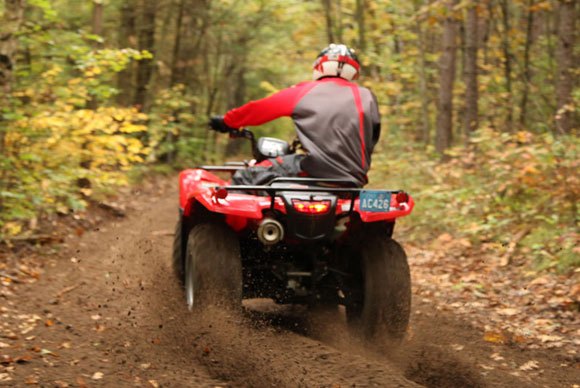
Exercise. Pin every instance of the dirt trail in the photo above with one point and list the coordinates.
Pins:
(115, 316)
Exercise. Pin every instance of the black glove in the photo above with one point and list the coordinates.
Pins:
(217, 123)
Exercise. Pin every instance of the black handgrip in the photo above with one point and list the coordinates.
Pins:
(218, 124)
(241, 133)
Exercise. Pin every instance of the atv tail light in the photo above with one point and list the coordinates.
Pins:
(311, 207)
(402, 197)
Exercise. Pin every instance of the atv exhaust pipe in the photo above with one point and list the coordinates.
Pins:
(270, 231)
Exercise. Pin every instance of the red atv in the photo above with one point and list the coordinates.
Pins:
(295, 240)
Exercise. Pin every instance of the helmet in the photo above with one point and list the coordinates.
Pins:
(336, 60)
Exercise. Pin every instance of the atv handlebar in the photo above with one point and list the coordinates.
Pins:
(242, 133)
(216, 124)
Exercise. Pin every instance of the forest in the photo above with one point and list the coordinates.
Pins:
(102, 102)
(479, 101)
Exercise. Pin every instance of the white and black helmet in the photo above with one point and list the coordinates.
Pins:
(336, 60)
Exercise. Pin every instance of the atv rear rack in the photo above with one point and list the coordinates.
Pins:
(227, 168)
(272, 191)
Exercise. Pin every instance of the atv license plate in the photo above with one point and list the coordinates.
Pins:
(375, 201)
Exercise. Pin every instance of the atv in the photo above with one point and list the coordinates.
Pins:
(311, 241)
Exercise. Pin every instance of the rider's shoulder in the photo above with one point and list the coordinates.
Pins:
(302, 84)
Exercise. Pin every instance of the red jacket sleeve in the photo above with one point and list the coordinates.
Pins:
(267, 109)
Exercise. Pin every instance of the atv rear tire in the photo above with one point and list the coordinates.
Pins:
(383, 286)
(213, 269)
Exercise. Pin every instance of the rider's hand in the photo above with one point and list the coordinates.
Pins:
(217, 123)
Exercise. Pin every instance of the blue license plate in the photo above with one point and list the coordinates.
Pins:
(375, 201)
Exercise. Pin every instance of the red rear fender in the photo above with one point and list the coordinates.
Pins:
(197, 186)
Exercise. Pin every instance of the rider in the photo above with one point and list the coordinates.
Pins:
(337, 122)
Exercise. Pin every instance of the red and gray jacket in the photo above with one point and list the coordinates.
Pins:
(337, 122)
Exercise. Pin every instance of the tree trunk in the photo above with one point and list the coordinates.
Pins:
(338, 21)
(96, 29)
(237, 97)
(127, 38)
(97, 19)
(13, 13)
(360, 20)
(327, 5)
(444, 135)
(193, 24)
(471, 85)
(425, 134)
(526, 74)
(565, 120)
(146, 42)
(9, 27)
(175, 74)
(507, 61)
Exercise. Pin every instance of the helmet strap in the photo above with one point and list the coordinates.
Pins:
(339, 69)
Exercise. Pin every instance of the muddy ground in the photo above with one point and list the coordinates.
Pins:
(107, 311)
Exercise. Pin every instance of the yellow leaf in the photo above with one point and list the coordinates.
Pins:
(495, 337)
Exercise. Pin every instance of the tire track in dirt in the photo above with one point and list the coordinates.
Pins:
(228, 344)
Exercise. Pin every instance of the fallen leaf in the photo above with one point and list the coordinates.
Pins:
(457, 347)
(31, 380)
(550, 338)
(445, 237)
(496, 357)
(5, 377)
(539, 281)
(530, 365)
(99, 328)
(61, 384)
(81, 382)
(6, 360)
(97, 376)
(508, 312)
(4, 345)
(66, 290)
(49, 323)
(495, 337)
(96, 317)
(153, 383)
(48, 352)
(162, 233)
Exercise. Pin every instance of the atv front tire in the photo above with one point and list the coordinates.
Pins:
(381, 307)
(213, 269)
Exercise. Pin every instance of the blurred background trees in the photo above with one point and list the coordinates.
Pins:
(92, 88)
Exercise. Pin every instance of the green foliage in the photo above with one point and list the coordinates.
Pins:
(512, 180)
(502, 188)
(175, 134)
(56, 151)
